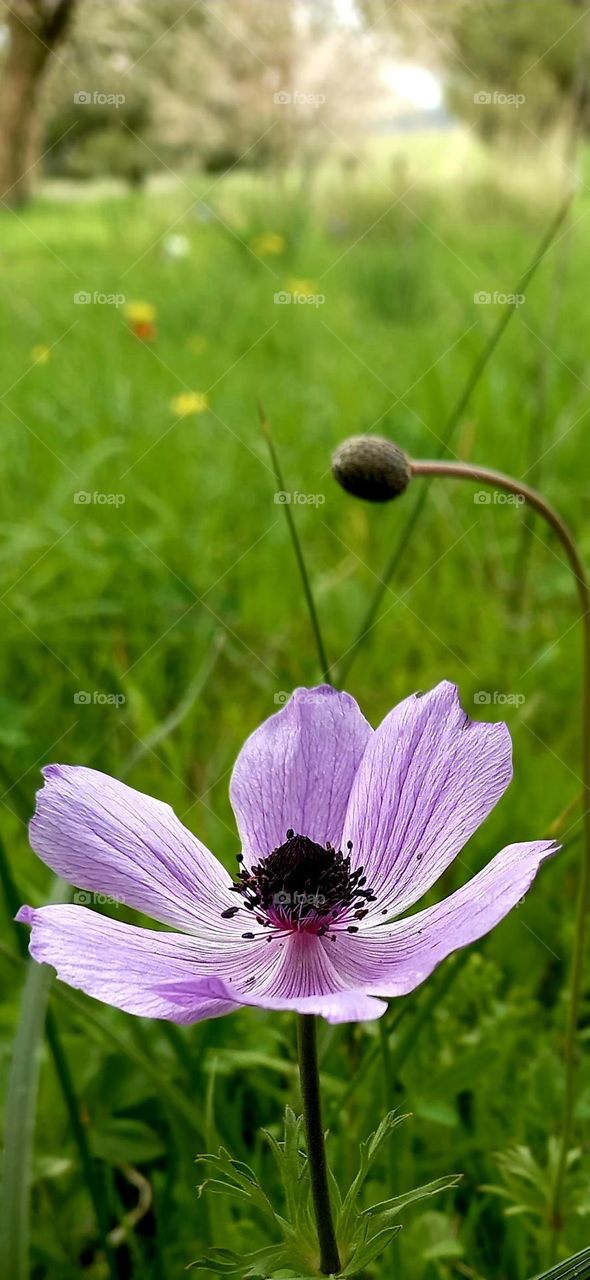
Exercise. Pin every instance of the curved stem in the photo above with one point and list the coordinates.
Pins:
(448, 431)
(316, 1149)
(497, 480)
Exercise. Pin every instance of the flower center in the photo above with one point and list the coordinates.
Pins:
(305, 886)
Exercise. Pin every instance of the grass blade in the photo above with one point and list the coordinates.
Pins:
(575, 1268)
(21, 1105)
(448, 432)
(323, 660)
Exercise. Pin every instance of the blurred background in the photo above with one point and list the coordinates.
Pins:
(370, 217)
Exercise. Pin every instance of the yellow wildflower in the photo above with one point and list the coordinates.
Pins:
(189, 402)
(140, 312)
(268, 243)
(305, 287)
(40, 355)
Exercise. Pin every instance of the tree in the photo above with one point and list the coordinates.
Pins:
(33, 30)
(211, 86)
(506, 63)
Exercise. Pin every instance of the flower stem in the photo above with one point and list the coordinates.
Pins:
(316, 1149)
(497, 480)
(448, 432)
(315, 623)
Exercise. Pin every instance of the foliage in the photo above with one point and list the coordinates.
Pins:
(363, 1234)
(132, 600)
(199, 85)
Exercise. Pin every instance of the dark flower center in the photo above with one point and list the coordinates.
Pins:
(304, 885)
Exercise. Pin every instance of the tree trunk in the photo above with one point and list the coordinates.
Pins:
(35, 28)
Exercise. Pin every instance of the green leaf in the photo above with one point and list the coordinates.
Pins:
(369, 1249)
(293, 1170)
(390, 1209)
(260, 1262)
(21, 1106)
(242, 1182)
(575, 1268)
(368, 1152)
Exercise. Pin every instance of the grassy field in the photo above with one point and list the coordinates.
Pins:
(174, 603)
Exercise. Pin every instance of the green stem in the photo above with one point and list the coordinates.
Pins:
(323, 660)
(316, 1149)
(447, 435)
(497, 480)
(90, 1166)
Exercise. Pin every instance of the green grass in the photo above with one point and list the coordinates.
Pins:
(194, 573)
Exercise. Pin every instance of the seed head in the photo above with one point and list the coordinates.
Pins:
(371, 467)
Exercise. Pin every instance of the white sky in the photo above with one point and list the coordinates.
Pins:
(417, 86)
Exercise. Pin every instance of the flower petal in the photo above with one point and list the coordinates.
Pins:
(102, 835)
(428, 779)
(296, 770)
(338, 1006)
(185, 979)
(292, 971)
(390, 960)
(131, 968)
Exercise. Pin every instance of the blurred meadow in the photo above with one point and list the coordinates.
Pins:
(152, 613)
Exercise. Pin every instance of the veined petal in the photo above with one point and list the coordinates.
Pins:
(104, 836)
(390, 960)
(337, 1006)
(186, 979)
(131, 968)
(296, 770)
(295, 971)
(428, 779)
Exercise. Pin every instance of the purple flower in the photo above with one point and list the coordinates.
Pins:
(343, 828)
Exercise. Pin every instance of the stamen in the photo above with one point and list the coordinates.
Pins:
(303, 885)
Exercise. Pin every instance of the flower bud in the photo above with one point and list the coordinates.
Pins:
(371, 467)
